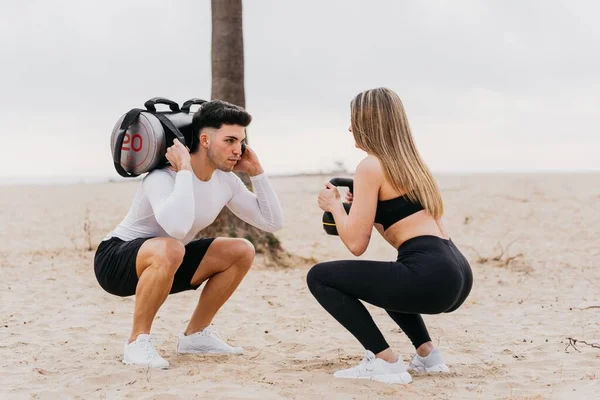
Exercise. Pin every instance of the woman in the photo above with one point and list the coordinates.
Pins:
(395, 191)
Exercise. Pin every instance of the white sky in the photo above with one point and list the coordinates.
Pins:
(487, 85)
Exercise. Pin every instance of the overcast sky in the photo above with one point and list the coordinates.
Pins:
(487, 85)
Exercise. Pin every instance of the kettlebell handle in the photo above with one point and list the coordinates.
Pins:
(344, 182)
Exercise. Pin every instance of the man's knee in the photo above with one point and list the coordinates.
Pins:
(243, 251)
(168, 254)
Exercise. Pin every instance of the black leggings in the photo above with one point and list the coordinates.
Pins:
(430, 276)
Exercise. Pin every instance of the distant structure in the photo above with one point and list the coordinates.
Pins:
(339, 169)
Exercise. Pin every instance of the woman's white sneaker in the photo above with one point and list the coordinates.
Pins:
(434, 362)
(376, 369)
(205, 342)
(142, 352)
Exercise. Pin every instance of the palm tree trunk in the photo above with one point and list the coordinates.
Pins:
(227, 53)
(227, 56)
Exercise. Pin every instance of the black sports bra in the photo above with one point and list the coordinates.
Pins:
(393, 210)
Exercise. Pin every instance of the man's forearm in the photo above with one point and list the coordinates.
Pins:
(267, 201)
(256, 171)
(261, 208)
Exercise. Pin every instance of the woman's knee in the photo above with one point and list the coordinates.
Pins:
(315, 275)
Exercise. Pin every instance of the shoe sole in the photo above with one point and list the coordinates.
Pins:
(210, 352)
(401, 378)
(440, 368)
(143, 365)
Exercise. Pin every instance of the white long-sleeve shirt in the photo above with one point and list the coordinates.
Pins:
(179, 205)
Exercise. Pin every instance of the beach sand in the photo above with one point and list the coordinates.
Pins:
(533, 242)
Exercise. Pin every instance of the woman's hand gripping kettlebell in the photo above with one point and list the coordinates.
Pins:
(330, 198)
(349, 197)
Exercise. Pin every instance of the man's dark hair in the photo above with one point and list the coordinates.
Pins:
(215, 114)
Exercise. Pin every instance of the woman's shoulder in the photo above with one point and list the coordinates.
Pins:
(369, 170)
(370, 165)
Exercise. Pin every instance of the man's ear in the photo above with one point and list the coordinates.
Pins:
(204, 139)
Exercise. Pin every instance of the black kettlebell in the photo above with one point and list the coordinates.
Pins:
(328, 221)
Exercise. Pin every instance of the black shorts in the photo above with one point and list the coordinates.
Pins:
(115, 259)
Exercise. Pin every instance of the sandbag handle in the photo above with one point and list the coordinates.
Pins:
(151, 104)
(128, 120)
(188, 104)
(171, 127)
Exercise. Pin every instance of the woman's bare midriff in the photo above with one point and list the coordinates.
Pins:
(418, 224)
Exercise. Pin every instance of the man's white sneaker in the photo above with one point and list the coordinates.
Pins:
(142, 352)
(377, 369)
(434, 362)
(205, 342)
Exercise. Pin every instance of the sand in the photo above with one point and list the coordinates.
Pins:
(533, 242)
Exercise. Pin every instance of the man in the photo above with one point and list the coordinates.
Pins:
(152, 252)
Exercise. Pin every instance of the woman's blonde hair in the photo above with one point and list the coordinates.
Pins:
(380, 128)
